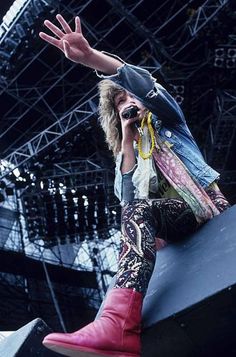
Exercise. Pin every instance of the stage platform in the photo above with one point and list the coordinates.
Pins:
(27, 341)
(190, 306)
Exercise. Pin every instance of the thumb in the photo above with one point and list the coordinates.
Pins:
(66, 48)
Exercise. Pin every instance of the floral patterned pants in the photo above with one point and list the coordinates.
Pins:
(143, 221)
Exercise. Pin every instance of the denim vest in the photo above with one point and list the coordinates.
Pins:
(173, 128)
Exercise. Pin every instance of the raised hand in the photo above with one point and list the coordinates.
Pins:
(72, 43)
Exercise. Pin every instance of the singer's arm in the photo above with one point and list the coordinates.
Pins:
(127, 145)
(128, 158)
(134, 79)
(76, 48)
(126, 162)
(125, 168)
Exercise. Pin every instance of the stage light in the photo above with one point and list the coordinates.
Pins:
(16, 172)
(60, 216)
(231, 63)
(66, 214)
(11, 45)
(179, 89)
(71, 229)
(219, 62)
(5, 55)
(13, 11)
(28, 18)
(219, 52)
(20, 31)
(225, 57)
(179, 99)
(90, 208)
(34, 221)
(81, 214)
(19, 22)
(178, 92)
(231, 53)
(102, 219)
(50, 226)
(231, 58)
(37, 6)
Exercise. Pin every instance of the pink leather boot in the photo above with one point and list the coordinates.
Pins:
(115, 333)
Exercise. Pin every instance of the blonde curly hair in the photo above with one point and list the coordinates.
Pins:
(108, 116)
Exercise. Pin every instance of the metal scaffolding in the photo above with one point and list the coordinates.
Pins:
(222, 130)
(205, 13)
(34, 98)
(48, 102)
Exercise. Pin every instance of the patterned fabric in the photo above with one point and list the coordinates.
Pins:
(142, 221)
(168, 219)
(217, 197)
(179, 178)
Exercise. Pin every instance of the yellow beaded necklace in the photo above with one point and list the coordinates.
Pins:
(147, 119)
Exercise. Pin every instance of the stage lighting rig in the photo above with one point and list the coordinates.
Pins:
(178, 92)
(225, 57)
(18, 29)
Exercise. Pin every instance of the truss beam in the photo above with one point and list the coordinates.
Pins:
(41, 141)
(204, 14)
(222, 130)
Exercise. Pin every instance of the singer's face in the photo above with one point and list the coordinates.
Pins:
(126, 99)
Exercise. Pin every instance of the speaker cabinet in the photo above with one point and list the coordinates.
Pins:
(27, 341)
(190, 306)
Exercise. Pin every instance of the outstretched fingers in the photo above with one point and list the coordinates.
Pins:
(53, 41)
(63, 23)
(77, 25)
(53, 28)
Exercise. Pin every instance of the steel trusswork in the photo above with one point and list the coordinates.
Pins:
(48, 136)
(53, 155)
(205, 13)
(222, 130)
(70, 203)
(33, 97)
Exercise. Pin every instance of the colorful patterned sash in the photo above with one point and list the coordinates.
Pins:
(177, 174)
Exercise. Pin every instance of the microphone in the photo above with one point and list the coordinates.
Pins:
(132, 112)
